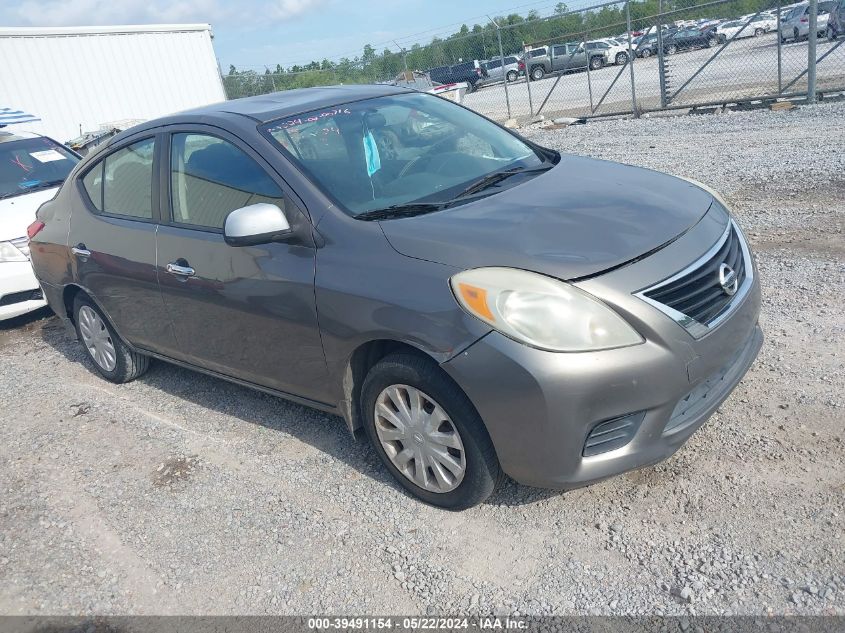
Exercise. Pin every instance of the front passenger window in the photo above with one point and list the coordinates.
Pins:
(211, 177)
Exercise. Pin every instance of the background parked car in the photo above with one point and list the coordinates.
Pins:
(836, 21)
(496, 72)
(31, 169)
(544, 60)
(796, 26)
(687, 39)
(470, 72)
(740, 28)
(614, 52)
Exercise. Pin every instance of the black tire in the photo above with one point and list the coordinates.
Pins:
(537, 73)
(129, 365)
(758, 32)
(831, 34)
(646, 53)
(596, 63)
(711, 42)
(671, 49)
(621, 58)
(482, 473)
(795, 35)
(512, 75)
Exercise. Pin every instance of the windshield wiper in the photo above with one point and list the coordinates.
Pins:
(401, 211)
(497, 176)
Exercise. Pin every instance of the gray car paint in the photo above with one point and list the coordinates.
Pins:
(583, 220)
(340, 285)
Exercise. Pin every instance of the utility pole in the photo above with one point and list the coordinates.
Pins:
(502, 59)
(404, 52)
(811, 52)
(661, 62)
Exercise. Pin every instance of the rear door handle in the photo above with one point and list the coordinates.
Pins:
(183, 271)
(80, 251)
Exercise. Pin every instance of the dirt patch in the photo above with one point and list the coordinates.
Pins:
(175, 471)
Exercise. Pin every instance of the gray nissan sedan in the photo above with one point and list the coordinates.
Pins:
(477, 304)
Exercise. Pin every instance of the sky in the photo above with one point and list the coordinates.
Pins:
(262, 33)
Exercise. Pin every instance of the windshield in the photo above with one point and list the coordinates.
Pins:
(33, 163)
(401, 149)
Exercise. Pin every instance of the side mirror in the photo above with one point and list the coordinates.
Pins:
(256, 224)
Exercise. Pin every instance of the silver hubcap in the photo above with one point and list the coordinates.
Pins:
(420, 438)
(96, 338)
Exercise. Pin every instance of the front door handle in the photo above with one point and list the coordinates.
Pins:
(80, 251)
(175, 268)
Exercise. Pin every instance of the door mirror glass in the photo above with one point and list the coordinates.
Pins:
(256, 224)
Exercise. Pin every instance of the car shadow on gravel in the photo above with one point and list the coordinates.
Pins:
(22, 323)
(325, 432)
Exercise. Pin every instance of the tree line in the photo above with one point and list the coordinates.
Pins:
(479, 41)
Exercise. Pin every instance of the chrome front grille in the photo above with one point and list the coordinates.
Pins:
(22, 244)
(702, 295)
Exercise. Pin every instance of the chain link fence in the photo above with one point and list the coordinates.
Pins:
(617, 57)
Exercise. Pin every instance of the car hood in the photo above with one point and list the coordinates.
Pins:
(580, 218)
(19, 212)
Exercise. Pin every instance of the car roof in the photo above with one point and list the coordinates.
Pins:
(8, 135)
(276, 105)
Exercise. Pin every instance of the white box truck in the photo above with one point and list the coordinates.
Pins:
(82, 79)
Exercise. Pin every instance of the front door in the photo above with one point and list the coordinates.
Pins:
(247, 312)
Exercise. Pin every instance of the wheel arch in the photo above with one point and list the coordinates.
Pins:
(69, 294)
(362, 359)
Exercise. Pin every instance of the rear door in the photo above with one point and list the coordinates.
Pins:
(113, 242)
(247, 312)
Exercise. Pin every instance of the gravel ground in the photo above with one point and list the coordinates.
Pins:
(180, 493)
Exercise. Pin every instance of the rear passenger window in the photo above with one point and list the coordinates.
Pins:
(211, 177)
(93, 183)
(128, 181)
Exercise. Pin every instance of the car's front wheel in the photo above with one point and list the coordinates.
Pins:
(758, 32)
(512, 75)
(113, 359)
(596, 63)
(646, 53)
(427, 432)
(621, 58)
(537, 73)
(671, 49)
(831, 33)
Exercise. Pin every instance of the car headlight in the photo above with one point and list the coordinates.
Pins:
(709, 190)
(540, 311)
(10, 253)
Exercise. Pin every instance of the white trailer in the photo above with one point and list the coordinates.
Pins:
(81, 79)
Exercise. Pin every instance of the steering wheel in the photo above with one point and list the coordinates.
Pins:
(429, 155)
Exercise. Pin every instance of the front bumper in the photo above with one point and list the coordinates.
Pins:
(540, 407)
(19, 291)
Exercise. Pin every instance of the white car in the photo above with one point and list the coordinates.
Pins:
(760, 25)
(614, 52)
(31, 169)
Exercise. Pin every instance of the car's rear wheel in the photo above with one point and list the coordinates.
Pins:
(596, 63)
(512, 75)
(621, 58)
(831, 33)
(113, 359)
(427, 432)
(671, 49)
(758, 32)
(537, 73)
(646, 53)
(795, 35)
